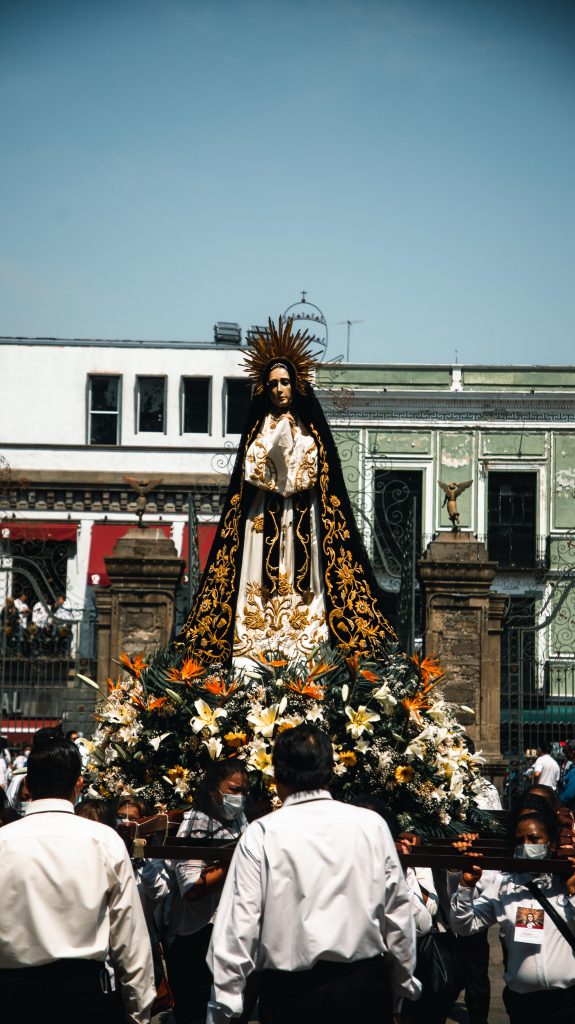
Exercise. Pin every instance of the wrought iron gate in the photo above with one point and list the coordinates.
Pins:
(538, 657)
(44, 641)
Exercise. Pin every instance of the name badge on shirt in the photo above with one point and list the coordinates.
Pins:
(529, 924)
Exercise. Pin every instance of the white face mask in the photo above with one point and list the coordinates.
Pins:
(532, 851)
(232, 805)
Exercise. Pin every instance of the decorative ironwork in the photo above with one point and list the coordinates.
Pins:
(537, 661)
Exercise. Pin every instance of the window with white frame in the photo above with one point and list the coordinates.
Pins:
(104, 397)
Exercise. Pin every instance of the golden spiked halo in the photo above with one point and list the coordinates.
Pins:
(276, 344)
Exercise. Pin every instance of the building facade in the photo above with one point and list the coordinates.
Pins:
(92, 430)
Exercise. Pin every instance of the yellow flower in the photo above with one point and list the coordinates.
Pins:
(348, 758)
(235, 739)
(404, 773)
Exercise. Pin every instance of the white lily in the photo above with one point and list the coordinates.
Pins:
(263, 720)
(261, 759)
(214, 747)
(156, 740)
(385, 697)
(314, 714)
(360, 721)
(362, 747)
(207, 718)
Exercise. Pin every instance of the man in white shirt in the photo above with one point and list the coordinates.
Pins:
(69, 902)
(315, 901)
(546, 771)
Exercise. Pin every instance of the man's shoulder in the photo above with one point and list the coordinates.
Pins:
(316, 812)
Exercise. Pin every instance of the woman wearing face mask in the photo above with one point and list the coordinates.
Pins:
(540, 968)
(217, 813)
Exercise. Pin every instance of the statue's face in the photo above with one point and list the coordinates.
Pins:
(279, 388)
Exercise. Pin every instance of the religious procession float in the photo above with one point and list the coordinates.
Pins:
(288, 627)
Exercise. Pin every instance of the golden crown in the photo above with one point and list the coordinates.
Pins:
(280, 343)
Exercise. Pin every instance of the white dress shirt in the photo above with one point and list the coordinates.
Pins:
(316, 880)
(548, 770)
(68, 892)
(530, 968)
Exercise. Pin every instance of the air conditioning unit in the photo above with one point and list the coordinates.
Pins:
(227, 333)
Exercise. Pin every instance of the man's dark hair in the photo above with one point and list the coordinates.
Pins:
(546, 746)
(303, 758)
(54, 767)
(49, 732)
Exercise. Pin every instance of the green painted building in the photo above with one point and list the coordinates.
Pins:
(510, 430)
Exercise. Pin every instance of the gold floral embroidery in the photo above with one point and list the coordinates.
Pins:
(258, 523)
(345, 583)
(282, 619)
(306, 475)
(263, 472)
(208, 630)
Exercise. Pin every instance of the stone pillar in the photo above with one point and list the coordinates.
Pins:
(136, 612)
(463, 628)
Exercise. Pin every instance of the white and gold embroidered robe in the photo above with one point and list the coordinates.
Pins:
(286, 465)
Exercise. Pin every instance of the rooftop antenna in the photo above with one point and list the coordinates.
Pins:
(456, 356)
(350, 324)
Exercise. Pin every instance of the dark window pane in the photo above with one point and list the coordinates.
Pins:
(104, 394)
(103, 428)
(196, 396)
(151, 405)
(511, 519)
(238, 401)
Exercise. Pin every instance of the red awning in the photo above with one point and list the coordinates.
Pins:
(15, 530)
(104, 537)
(21, 730)
(206, 534)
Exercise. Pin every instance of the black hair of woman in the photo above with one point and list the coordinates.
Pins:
(544, 816)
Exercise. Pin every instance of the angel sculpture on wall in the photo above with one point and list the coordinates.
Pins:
(452, 492)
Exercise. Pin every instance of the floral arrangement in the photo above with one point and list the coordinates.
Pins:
(394, 736)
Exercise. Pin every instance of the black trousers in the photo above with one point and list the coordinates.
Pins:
(334, 992)
(189, 975)
(475, 955)
(552, 1005)
(65, 991)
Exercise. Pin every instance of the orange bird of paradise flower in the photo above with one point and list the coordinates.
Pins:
(219, 688)
(135, 665)
(370, 676)
(258, 656)
(353, 663)
(157, 702)
(307, 689)
(316, 671)
(114, 685)
(429, 668)
(191, 669)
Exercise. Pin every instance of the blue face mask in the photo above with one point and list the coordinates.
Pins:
(232, 805)
(532, 851)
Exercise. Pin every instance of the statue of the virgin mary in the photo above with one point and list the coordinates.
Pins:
(288, 569)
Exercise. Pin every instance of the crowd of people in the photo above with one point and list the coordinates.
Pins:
(316, 918)
(37, 628)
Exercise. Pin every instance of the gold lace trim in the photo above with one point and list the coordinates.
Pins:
(355, 620)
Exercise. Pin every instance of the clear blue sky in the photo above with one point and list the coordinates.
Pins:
(168, 163)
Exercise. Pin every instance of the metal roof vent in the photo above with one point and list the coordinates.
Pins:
(227, 333)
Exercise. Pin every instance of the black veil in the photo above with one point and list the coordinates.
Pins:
(354, 612)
